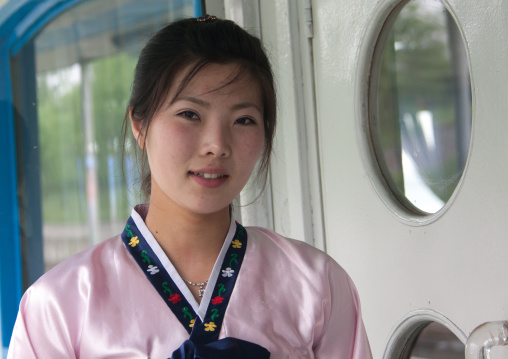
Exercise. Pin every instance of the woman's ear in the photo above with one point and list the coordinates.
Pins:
(137, 130)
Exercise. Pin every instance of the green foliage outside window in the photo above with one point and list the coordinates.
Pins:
(63, 160)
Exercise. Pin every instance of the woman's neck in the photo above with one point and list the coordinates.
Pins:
(191, 241)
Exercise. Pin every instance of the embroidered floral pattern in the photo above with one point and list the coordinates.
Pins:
(175, 298)
(134, 241)
(241, 230)
(210, 327)
(233, 259)
(146, 259)
(228, 272)
(129, 233)
(215, 314)
(166, 288)
(217, 300)
(152, 269)
(186, 313)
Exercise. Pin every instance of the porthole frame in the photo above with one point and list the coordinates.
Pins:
(406, 332)
(367, 73)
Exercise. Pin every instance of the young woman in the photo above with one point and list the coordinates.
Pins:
(184, 280)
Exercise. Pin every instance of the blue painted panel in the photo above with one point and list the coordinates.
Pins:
(24, 96)
(38, 18)
(11, 15)
(198, 9)
(10, 256)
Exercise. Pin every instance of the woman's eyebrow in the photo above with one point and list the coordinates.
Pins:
(238, 106)
(247, 104)
(194, 100)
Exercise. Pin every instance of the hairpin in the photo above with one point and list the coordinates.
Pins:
(207, 18)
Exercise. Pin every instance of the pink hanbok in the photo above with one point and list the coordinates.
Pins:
(124, 299)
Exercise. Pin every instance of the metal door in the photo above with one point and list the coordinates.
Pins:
(411, 268)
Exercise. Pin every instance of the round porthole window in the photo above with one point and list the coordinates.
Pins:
(434, 341)
(426, 334)
(420, 105)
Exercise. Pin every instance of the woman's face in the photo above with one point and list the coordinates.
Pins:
(203, 146)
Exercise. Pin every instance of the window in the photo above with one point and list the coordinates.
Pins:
(420, 105)
(435, 341)
(426, 334)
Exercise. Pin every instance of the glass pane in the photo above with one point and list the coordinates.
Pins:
(84, 63)
(437, 342)
(422, 119)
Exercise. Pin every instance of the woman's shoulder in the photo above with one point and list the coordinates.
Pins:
(63, 294)
(278, 240)
(270, 239)
(295, 253)
(90, 264)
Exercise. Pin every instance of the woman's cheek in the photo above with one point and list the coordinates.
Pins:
(255, 145)
(177, 139)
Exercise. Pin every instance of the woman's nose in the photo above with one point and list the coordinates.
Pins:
(217, 141)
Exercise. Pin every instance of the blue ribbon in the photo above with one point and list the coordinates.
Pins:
(227, 348)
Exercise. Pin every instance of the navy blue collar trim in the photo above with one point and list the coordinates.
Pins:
(168, 290)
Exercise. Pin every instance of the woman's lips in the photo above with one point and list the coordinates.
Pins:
(209, 179)
(208, 175)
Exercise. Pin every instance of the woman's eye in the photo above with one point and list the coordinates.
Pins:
(189, 114)
(245, 121)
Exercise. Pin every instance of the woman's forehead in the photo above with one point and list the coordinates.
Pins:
(226, 79)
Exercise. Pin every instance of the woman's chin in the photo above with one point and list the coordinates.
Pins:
(209, 209)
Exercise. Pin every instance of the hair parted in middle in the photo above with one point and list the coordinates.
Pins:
(197, 43)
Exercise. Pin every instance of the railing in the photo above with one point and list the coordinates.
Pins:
(485, 337)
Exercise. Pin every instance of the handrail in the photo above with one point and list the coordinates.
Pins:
(485, 337)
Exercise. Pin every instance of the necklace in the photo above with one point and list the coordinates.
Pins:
(202, 286)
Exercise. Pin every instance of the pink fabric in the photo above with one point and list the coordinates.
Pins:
(289, 297)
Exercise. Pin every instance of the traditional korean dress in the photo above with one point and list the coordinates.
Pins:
(267, 296)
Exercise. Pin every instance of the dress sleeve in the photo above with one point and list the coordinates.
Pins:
(40, 330)
(343, 333)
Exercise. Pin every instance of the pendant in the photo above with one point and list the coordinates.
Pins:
(201, 291)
